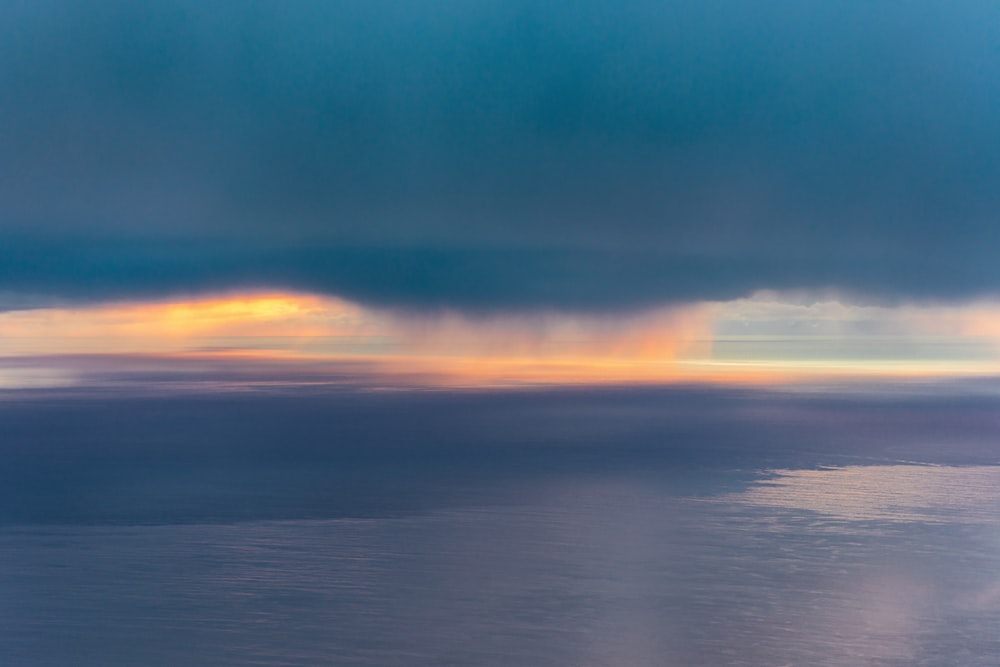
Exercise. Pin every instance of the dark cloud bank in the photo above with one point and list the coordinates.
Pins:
(506, 154)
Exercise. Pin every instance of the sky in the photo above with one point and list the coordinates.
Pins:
(490, 190)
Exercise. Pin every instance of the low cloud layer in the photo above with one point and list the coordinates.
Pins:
(500, 155)
(284, 338)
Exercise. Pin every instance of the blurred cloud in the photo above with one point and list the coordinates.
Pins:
(177, 326)
(768, 338)
(287, 326)
(499, 156)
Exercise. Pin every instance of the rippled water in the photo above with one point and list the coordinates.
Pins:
(918, 493)
(614, 560)
(588, 572)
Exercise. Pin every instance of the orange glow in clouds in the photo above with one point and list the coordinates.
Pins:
(176, 326)
(447, 347)
(663, 345)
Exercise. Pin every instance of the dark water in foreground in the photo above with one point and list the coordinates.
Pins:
(680, 527)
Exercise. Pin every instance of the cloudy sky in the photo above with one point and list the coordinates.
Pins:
(631, 178)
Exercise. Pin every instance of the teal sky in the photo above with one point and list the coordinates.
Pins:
(492, 156)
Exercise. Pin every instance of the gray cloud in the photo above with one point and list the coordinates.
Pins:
(496, 154)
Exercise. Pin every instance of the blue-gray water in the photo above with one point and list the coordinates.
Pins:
(618, 527)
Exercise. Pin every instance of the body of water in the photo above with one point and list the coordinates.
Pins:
(578, 529)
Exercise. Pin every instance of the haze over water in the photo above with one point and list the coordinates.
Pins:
(683, 526)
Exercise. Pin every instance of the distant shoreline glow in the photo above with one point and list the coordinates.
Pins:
(768, 338)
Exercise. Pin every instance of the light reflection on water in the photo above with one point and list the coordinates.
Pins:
(925, 493)
(592, 570)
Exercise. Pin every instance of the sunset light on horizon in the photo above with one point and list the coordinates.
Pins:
(766, 339)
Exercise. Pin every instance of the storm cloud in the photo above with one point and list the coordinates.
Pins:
(500, 155)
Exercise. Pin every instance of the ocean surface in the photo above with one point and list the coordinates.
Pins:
(331, 526)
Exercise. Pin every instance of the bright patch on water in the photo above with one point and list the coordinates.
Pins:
(925, 493)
